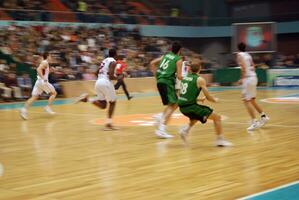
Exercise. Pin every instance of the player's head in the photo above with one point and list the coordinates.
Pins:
(46, 55)
(112, 53)
(242, 47)
(195, 68)
(176, 48)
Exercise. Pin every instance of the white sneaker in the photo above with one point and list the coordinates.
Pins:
(162, 134)
(254, 125)
(223, 143)
(49, 110)
(263, 121)
(23, 113)
(82, 98)
(184, 133)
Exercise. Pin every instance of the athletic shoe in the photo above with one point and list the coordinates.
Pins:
(130, 97)
(23, 113)
(162, 134)
(223, 143)
(254, 125)
(82, 98)
(183, 132)
(49, 110)
(263, 121)
(110, 127)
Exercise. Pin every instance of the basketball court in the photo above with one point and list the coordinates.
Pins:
(69, 157)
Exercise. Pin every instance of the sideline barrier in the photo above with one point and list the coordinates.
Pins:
(139, 85)
(228, 76)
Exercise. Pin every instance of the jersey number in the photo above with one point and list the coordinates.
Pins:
(184, 87)
(164, 65)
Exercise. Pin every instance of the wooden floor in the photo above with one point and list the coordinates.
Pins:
(69, 157)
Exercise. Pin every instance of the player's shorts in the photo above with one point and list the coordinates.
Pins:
(41, 86)
(178, 84)
(105, 90)
(197, 112)
(249, 88)
(167, 93)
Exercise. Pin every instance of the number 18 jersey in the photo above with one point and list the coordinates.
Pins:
(189, 90)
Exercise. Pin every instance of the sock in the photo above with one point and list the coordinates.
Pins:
(109, 121)
(220, 137)
(253, 121)
(162, 127)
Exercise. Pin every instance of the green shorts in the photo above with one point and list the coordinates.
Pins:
(167, 93)
(197, 112)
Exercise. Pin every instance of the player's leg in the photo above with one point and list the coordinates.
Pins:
(28, 103)
(118, 83)
(184, 130)
(110, 96)
(102, 104)
(123, 84)
(249, 92)
(264, 118)
(220, 141)
(49, 89)
(169, 98)
(36, 92)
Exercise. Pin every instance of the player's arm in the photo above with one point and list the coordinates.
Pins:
(112, 71)
(154, 64)
(201, 83)
(240, 61)
(179, 64)
(40, 69)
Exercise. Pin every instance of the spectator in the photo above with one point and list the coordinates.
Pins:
(25, 83)
(10, 81)
(89, 75)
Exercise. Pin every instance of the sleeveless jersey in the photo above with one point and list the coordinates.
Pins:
(189, 90)
(104, 67)
(249, 67)
(167, 68)
(45, 71)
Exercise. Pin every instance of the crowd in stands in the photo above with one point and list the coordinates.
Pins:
(100, 11)
(77, 52)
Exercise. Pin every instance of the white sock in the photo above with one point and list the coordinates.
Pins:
(108, 121)
(220, 137)
(162, 127)
(253, 121)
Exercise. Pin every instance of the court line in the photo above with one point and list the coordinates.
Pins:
(1, 170)
(269, 190)
(224, 122)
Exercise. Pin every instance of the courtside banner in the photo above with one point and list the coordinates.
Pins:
(286, 81)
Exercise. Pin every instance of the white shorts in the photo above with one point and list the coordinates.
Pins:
(249, 88)
(105, 90)
(178, 84)
(41, 86)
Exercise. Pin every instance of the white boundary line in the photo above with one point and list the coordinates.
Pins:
(1, 170)
(270, 190)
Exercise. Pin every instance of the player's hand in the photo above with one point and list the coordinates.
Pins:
(216, 100)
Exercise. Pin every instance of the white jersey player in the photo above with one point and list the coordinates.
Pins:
(249, 83)
(41, 85)
(185, 71)
(104, 88)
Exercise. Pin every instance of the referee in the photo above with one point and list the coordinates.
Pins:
(120, 74)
